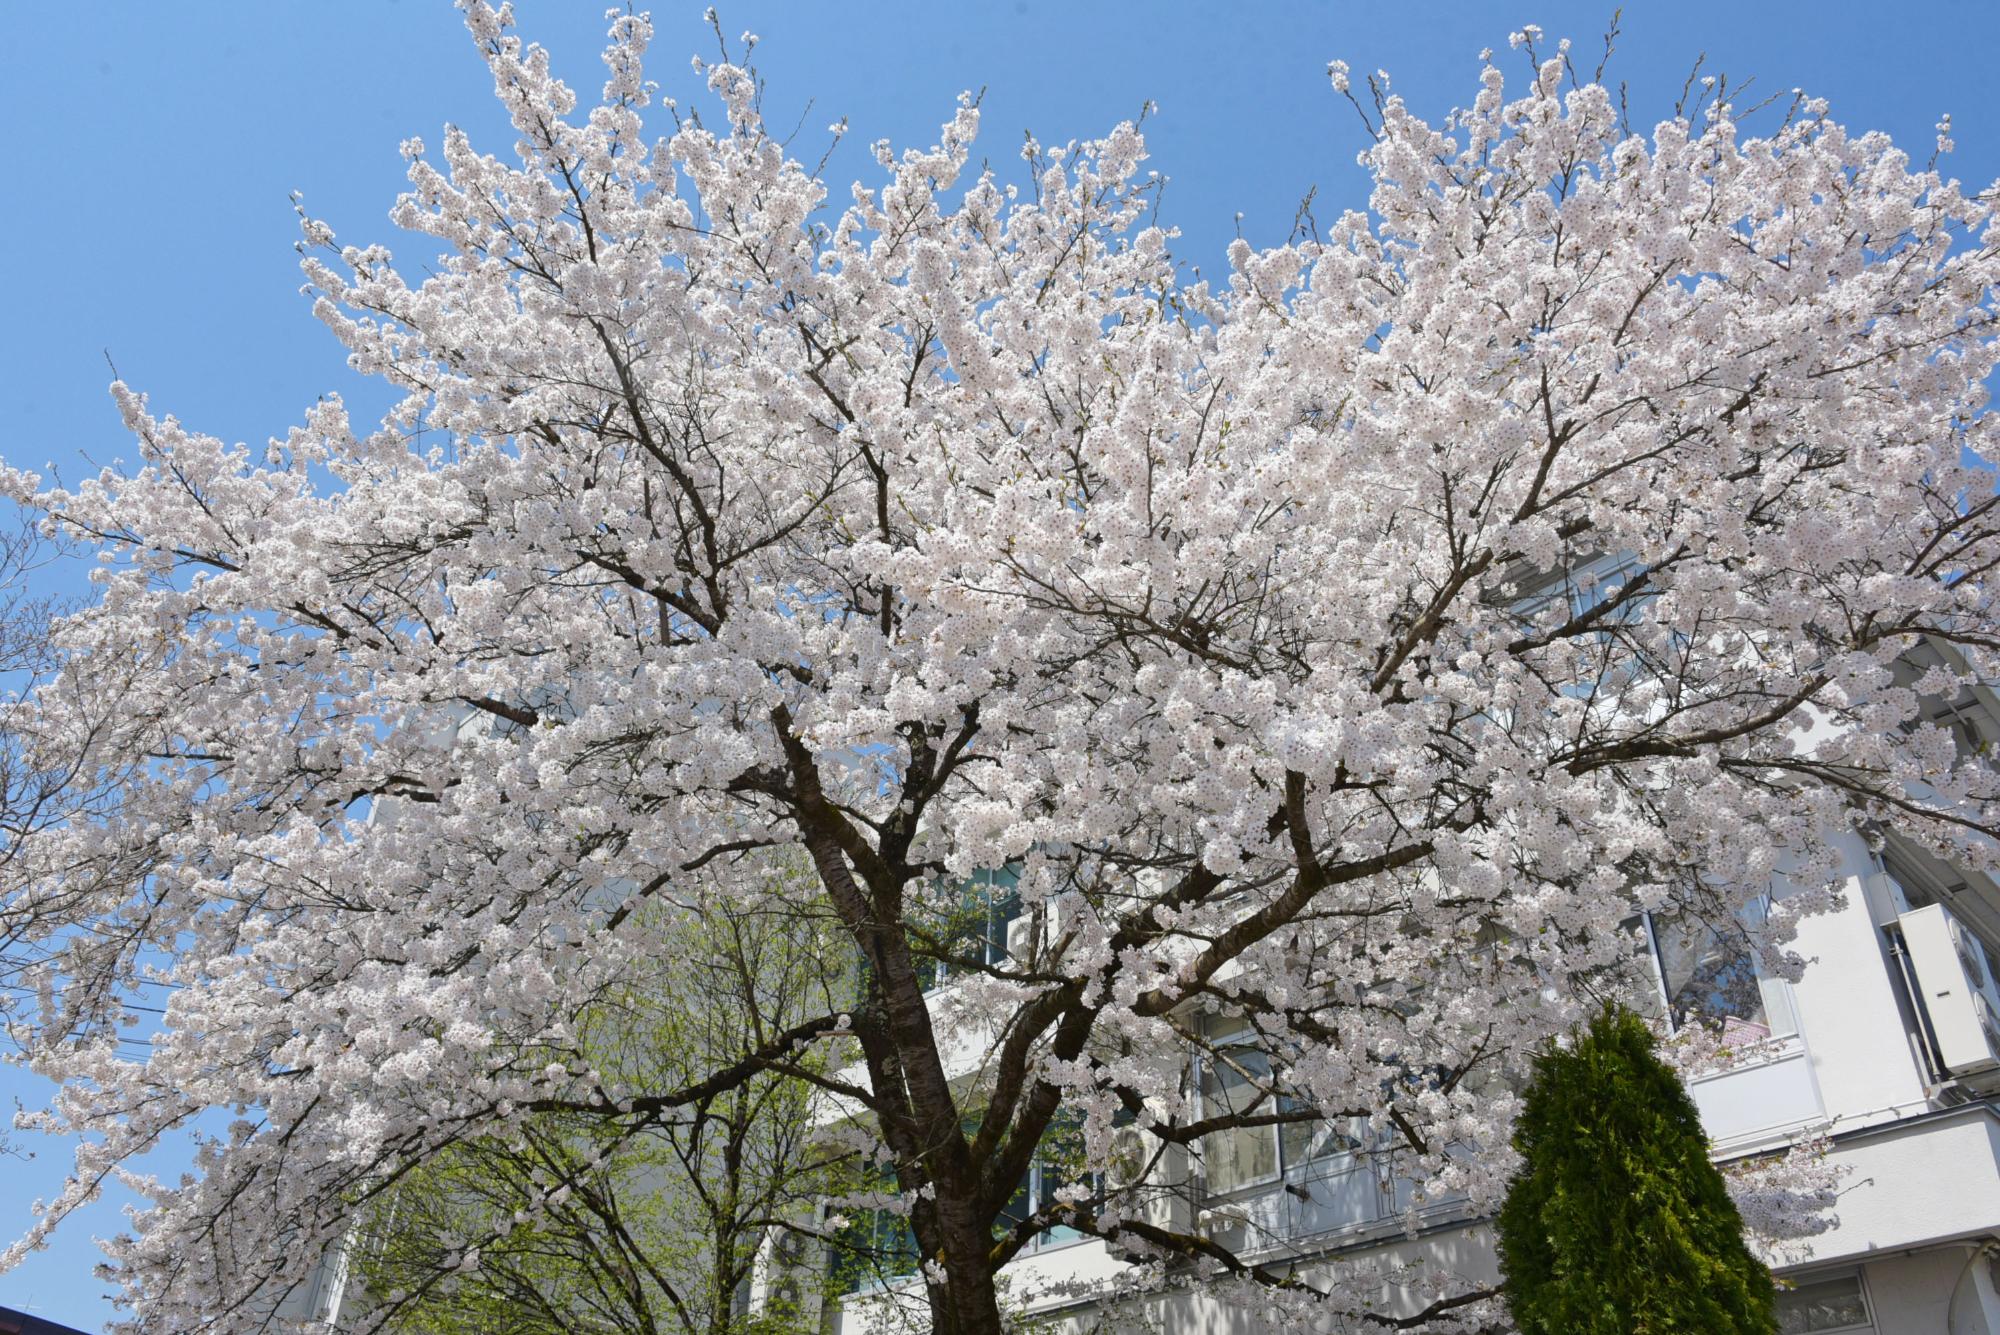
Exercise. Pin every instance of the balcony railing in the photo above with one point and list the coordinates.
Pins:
(1321, 1199)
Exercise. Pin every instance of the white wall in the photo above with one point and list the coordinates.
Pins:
(1913, 1295)
(1913, 1185)
(1862, 1060)
(1759, 1107)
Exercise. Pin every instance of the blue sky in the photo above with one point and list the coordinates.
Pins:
(156, 146)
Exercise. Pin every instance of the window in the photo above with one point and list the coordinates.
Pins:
(1059, 1164)
(1836, 1303)
(1599, 582)
(1236, 1078)
(975, 926)
(1581, 589)
(1964, 714)
(1233, 1080)
(993, 901)
(1710, 977)
(1306, 1142)
(876, 1245)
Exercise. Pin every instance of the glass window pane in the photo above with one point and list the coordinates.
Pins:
(1780, 1017)
(971, 924)
(1015, 1210)
(1827, 1304)
(1711, 978)
(1059, 1164)
(1589, 588)
(992, 901)
(1305, 1142)
(1220, 1029)
(1230, 1083)
(1641, 981)
(1002, 908)
(874, 1245)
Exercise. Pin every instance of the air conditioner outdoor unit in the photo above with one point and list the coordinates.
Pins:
(785, 1281)
(1129, 1149)
(1957, 991)
(1971, 954)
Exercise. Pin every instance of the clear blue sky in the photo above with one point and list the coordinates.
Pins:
(156, 146)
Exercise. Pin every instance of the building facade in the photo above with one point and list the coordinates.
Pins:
(1886, 1050)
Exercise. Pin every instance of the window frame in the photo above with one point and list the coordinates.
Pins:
(1779, 1028)
(1244, 1037)
(998, 894)
(1860, 1278)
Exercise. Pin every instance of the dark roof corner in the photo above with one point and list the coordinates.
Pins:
(24, 1323)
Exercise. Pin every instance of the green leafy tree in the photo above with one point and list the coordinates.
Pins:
(653, 1224)
(1618, 1224)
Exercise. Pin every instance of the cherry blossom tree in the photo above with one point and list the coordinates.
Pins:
(947, 527)
(31, 796)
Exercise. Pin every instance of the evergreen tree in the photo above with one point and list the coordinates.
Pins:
(1618, 1224)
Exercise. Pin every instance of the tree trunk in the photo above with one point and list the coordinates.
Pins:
(966, 1303)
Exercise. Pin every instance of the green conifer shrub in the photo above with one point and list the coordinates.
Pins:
(1618, 1224)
